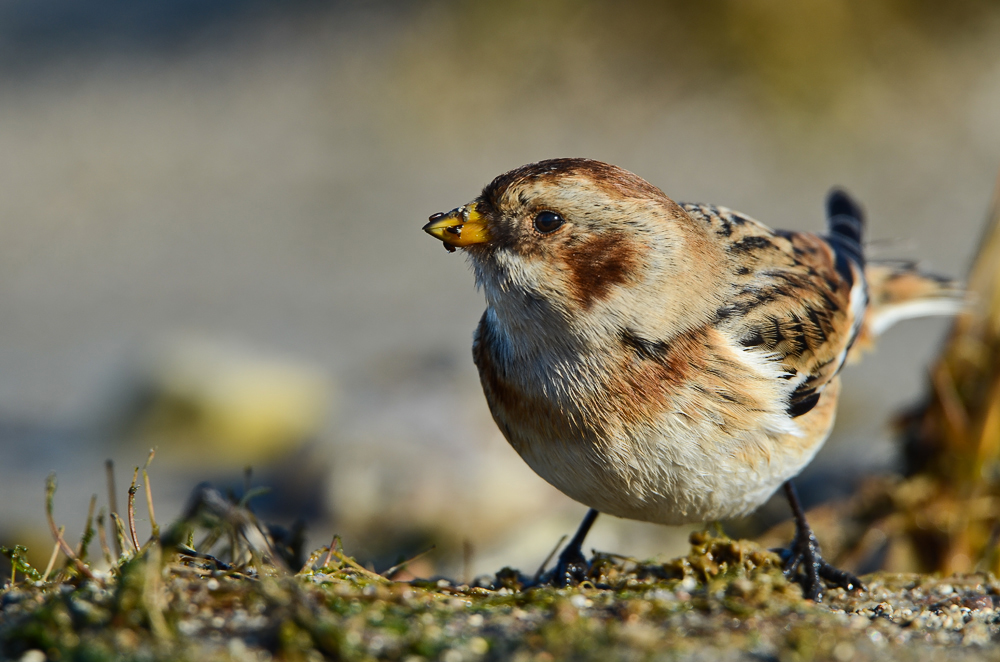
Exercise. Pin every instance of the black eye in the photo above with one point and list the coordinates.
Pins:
(548, 221)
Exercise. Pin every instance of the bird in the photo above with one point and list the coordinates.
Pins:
(669, 362)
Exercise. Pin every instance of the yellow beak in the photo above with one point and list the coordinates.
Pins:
(459, 227)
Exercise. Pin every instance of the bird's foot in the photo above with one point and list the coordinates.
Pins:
(571, 568)
(804, 564)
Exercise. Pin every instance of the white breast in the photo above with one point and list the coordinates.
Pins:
(691, 462)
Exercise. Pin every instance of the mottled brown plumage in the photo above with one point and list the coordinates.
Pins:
(661, 361)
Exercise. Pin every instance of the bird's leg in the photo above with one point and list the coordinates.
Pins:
(572, 566)
(803, 561)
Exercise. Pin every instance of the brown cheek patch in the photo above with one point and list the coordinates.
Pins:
(598, 264)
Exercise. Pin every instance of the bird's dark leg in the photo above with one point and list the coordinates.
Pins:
(803, 561)
(572, 566)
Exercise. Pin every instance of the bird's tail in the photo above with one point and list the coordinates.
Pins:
(896, 290)
(846, 222)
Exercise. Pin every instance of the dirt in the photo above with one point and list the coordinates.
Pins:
(726, 600)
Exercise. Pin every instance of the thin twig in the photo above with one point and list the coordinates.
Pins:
(109, 467)
(620, 557)
(541, 568)
(388, 574)
(329, 552)
(131, 509)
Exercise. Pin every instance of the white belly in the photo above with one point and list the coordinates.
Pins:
(670, 481)
(682, 473)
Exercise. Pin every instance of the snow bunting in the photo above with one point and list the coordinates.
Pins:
(668, 362)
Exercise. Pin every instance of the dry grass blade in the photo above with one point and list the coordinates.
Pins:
(120, 535)
(208, 506)
(310, 563)
(50, 494)
(335, 552)
(131, 509)
(343, 558)
(109, 468)
(394, 570)
(329, 553)
(548, 559)
(102, 536)
(149, 494)
(88, 530)
(52, 558)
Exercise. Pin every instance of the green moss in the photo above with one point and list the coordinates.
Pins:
(724, 597)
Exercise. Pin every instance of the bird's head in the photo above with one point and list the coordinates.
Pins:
(583, 243)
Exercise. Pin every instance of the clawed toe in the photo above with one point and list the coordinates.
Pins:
(803, 562)
(838, 577)
(571, 569)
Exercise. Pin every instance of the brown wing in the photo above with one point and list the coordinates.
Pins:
(789, 298)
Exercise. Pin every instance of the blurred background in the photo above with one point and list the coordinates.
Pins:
(210, 237)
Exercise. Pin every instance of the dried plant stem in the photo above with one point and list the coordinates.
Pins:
(109, 468)
(120, 536)
(102, 536)
(310, 563)
(50, 493)
(149, 494)
(329, 553)
(391, 572)
(344, 558)
(88, 530)
(52, 559)
(541, 568)
(131, 509)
